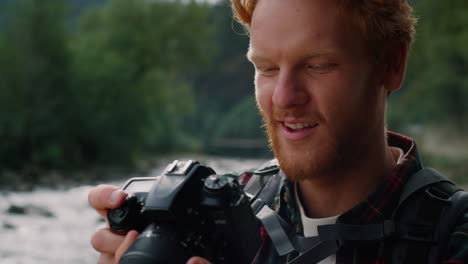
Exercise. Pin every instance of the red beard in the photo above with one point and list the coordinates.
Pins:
(311, 158)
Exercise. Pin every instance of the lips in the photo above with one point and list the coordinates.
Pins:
(298, 126)
(295, 131)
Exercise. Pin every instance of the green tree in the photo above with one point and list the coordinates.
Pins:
(229, 80)
(115, 88)
(437, 86)
(133, 62)
(240, 132)
(33, 81)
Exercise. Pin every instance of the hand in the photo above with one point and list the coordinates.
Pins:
(197, 260)
(110, 245)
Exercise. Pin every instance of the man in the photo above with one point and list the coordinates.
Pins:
(324, 70)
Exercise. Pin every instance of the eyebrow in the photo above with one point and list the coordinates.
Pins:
(251, 55)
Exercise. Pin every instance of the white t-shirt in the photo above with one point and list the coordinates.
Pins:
(310, 226)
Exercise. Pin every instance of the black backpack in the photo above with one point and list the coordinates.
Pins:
(418, 232)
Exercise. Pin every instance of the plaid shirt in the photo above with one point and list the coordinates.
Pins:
(375, 209)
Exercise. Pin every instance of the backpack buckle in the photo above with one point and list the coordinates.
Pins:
(438, 194)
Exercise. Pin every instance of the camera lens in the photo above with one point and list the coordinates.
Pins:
(157, 244)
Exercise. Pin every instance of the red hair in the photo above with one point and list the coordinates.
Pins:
(380, 21)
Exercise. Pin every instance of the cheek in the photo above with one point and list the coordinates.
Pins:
(355, 102)
(263, 96)
(341, 101)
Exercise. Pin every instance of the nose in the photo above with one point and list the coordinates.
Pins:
(290, 91)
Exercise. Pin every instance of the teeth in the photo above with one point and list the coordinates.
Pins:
(298, 126)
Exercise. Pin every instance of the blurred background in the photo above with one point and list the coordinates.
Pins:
(95, 91)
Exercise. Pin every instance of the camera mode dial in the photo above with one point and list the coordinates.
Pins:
(215, 182)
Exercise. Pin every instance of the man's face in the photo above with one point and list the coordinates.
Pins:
(315, 86)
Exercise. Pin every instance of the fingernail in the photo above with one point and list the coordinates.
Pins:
(116, 196)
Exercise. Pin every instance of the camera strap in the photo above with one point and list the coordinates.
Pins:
(317, 248)
(261, 189)
(264, 182)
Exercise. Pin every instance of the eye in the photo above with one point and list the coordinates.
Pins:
(321, 68)
(267, 71)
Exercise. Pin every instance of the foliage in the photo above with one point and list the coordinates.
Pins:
(239, 132)
(133, 62)
(242, 121)
(34, 71)
(224, 86)
(114, 88)
(437, 80)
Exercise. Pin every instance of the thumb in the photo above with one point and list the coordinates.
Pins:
(198, 260)
(129, 239)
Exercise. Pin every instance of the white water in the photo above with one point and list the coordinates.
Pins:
(63, 238)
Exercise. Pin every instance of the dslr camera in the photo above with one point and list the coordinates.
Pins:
(187, 211)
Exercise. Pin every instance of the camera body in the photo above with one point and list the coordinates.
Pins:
(187, 211)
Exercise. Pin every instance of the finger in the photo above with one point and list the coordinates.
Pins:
(198, 260)
(129, 239)
(106, 259)
(105, 241)
(104, 197)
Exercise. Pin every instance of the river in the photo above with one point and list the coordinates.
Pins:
(57, 224)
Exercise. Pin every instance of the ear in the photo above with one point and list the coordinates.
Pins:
(395, 59)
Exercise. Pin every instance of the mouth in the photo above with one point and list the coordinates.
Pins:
(296, 131)
(298, 126)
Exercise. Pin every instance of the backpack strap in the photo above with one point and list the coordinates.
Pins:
(426, 213)
(422, 179)
(449, 220)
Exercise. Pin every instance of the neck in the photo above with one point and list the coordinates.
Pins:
(340, 190)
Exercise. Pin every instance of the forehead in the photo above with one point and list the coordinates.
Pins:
(282, 27)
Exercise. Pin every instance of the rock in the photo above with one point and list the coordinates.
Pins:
(14, 209)
(7, 225)
(29, 210)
